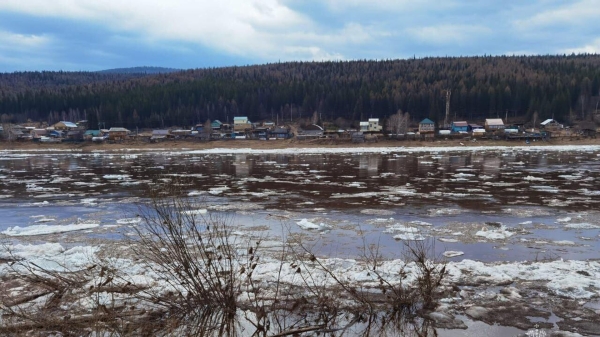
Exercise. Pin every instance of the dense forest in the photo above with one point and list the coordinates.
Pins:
(563, 87)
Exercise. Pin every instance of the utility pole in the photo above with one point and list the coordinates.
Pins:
(448, 93)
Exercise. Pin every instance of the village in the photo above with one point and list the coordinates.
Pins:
(242, 128)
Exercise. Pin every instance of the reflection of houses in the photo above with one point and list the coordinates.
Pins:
(459, 127)
(117, 133)
(493, 124)
(426, 126)
(242, 166)
(310, 131)
(368, 165)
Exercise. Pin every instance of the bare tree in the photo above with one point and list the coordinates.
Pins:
(398, 123)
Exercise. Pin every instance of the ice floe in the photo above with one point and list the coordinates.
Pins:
(305, 224)
(494, 234)
(453, 253)
(47, 229)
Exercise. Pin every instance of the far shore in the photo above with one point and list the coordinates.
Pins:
(282, 144)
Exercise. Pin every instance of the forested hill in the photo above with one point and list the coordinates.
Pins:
(565, 87)
(140, 70)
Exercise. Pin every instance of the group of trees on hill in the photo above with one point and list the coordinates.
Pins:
(563, 87)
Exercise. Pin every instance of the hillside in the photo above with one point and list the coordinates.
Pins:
(139, 70)
(565, 87)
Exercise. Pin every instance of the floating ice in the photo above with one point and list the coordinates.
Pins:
(195, 211)
(46, 229)
(116, 176)
(409, 237)
(583, 225)
(453, 253)
(305, 224)
(401, 228)
(494, 234)
(129, 221)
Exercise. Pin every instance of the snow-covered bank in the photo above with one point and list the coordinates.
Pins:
(309, 150)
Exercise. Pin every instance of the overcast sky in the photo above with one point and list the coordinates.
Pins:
(102, 34)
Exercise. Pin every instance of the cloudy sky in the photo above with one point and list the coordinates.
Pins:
(102, 34)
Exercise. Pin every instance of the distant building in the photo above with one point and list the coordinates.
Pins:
(459, 127)
(374, 125)
(426, 126)
(90, 134)
(117, 133)
(550, 125)
(216, 124)
(493, 124)
(64, 126)
(241, 124)
(310, 131)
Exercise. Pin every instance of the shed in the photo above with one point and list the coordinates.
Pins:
(550, 125)
(311, 130)
(159, 135)
(216, 124)
(90, 134)
(279, 133)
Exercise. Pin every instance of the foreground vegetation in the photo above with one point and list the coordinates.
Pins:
(202, 280)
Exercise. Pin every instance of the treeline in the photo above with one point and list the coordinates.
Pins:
(563, 87)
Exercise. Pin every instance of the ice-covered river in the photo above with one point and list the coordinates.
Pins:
(491, 204)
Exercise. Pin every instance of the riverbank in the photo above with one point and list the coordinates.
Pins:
(284, 144)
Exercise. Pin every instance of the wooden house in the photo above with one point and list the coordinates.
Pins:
(374, 125)
(459, 127)
(241, 123)
(117, 133)
(65, 126)
(494, 124)
(426, 126)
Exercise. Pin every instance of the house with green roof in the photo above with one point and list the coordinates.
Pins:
(426, 126)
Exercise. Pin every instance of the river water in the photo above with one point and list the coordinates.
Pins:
(511, 204)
